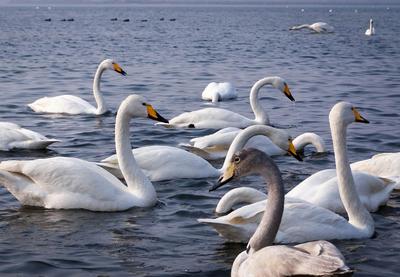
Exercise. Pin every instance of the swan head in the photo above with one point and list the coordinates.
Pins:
(244, 163)
(280, 83)
(112, 65)
(371, 21)
(137, 106)
(346, 113)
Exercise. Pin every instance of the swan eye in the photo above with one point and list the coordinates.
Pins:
(237, 159)
(144, 104)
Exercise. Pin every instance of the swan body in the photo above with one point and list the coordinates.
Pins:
(261, 257)
(318, 27)
(371, 30)
(70, 183)
(165, 162)
(217, 118)
(215, 146)
(12, 136)
(219, 91)
(70, 104)
(303, 221)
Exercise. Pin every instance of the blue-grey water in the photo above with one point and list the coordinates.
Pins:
(170, 62)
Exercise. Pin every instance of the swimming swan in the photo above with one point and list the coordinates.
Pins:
(318, 27)
(371, 30)
(219, 91)
(215, 146)
(217, 118)
(303, 221)
(167, 163)
(70, 183)
(12, 136)
(261, 257)
(70, 104)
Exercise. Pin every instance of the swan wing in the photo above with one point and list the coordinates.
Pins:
(64, 183)
(67, 104)
(383, 165)
(224, 90)
(315, 258)
(166, 163)
(209, 118)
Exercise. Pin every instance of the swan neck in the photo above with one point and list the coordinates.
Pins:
(261, 116)
(241, 139)
(101, 105)
(269, 225)
(357, 213)
(305, 139)
(215, 97)
(138, 184)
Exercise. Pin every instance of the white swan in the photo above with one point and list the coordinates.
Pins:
(70, 183)
(167, 163)
(371, 30)
(215, 146)
(220, 118)
(261, 257)
(70, 104)
(12, 136)
(219, 91)
(318, 27)
(303, 221)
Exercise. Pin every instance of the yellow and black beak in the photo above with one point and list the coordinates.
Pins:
(287, 92)
(358, 117)
(292, 151)
(228, 175)
(153, 114)
(118, 69)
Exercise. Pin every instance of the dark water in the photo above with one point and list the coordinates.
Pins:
(170, 62)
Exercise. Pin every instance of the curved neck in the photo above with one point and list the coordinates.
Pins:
(241, 139)
(309, 138)
(370, 25)
(101, 105)
(239, 195)
(138, 184)
(269, 225)
(357, 213)
(259, 113)
(215, 97)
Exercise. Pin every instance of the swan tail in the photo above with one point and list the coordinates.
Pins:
(42, 144)
(199, 152)
(112, 168)
(234, 233)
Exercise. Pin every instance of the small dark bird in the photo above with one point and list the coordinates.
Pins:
(47, 19)
(172, 19)
(70, 19)
(126, 20)
(162, 19)
(114, 19)
(144, 20)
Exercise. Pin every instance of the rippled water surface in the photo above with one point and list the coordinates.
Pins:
(170, 62)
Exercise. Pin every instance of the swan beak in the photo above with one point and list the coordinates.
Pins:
(228, 175)
(118, 69)
(153, 114)
(287, 92)
(292, 151)
(358, 117)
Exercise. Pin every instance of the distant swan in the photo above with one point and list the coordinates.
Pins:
(70, 183)
(261, 257)
(161, 162)
(217, 118)
(215, 146)
(70, 104)
(219, 92)
(371, 30)
(303, 221)
(318, 27)
(12, 136)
